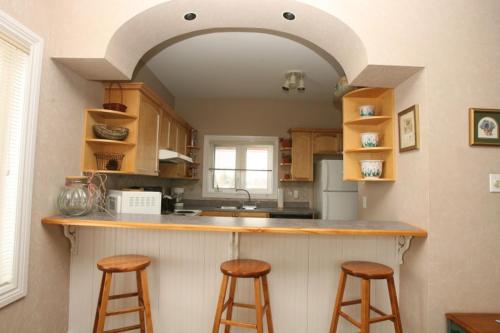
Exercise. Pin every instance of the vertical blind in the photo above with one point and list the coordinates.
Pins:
(13, 70)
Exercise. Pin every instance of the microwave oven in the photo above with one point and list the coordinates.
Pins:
(134, 202)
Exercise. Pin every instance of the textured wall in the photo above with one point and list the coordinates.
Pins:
(255, 117)
(64, 95)
(456, 41)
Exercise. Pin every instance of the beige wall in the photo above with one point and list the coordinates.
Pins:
(255, 117)
(407, 200)
(455, 269)
(63, 97)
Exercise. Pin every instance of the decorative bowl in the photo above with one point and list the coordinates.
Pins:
(367, 110)
(103, 131)
(369, 139)
(371, 169)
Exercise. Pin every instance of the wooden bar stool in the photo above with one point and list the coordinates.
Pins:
(124, 264)
(367, 271)
(244, 268)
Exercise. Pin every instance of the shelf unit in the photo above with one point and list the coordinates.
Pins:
(382, 123)
(92, 144)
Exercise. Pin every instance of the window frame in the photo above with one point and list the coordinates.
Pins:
(229, 140)
(18, 34)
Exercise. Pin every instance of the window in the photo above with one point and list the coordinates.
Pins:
(20, 65)
(240, 162)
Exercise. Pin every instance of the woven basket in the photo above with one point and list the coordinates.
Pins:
(109, 161)
(103, 131)
(115, 106)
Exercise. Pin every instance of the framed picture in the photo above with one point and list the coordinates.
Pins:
(408, 129)
(483, 127)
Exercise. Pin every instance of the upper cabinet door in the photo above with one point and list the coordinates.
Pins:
(326, 143)
(165, 129)
(302, 156)
(147, 141)
(182, 134)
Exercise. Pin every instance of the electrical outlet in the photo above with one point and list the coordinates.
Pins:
(494, 182)
(365, 201)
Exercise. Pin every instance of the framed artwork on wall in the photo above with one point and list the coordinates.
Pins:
(483, 127)
(408, 127)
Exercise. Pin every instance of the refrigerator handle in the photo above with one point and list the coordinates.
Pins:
(326, 185)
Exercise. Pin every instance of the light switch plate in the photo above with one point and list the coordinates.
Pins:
(494, 182)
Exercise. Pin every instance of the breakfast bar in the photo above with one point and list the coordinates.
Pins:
(187, 251)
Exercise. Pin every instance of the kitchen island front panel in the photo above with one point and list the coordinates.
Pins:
(184, 277)
(240, 225)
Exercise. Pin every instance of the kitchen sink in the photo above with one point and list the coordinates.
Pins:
(249, 207)
(229, 207)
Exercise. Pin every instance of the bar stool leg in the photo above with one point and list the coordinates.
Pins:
(220, 304)
(338, 302)
(229, 313)
(145, 298)
(101, 314)
(365, 306)
(258, 305)
(141, 302)
(94, 330)
(267, 303)
(394, 305)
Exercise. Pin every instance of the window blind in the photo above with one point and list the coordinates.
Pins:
(13, 70)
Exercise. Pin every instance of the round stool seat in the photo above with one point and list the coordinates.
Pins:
(122, 264)
(245, 268)
(367, 270)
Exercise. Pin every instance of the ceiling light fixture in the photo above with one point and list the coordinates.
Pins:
(294, 80)
(289, 16)
(190, 16)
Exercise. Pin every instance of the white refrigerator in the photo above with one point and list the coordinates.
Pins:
(334, 199)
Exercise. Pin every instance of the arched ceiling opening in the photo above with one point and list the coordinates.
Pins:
(165, 22)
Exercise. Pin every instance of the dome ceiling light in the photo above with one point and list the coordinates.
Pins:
(289, 16)
(190, 16)
(294, 80)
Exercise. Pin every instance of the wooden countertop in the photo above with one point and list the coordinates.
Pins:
(476, 322)
(237, 224)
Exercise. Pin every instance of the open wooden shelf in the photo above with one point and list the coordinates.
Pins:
(367, 150)
(110, 142)
(123, 172)
(286, 164)
(192, 147)
(371, 180)
(285, 148)
(382, 123)
(374, 120)
(110, 114)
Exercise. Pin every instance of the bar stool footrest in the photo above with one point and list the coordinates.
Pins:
(238, 324)
(123, 295)
(125, 310)
(124, 329)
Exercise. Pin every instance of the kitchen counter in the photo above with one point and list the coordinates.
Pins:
(295, 211)
(186, 252)
(243, 225)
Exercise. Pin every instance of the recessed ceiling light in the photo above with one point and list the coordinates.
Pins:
(190, 16)
(289, 16)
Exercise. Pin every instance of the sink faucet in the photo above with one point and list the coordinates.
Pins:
(249, 197)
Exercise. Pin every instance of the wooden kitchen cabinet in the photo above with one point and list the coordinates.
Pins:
(147, 140)
(302, 156)
(307, 142)
(327, 142)
(152, 125)
(382, 123)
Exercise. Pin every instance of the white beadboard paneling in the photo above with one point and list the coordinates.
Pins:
(184, 277)
(81, 300)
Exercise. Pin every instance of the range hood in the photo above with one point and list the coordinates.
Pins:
(171, 156)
